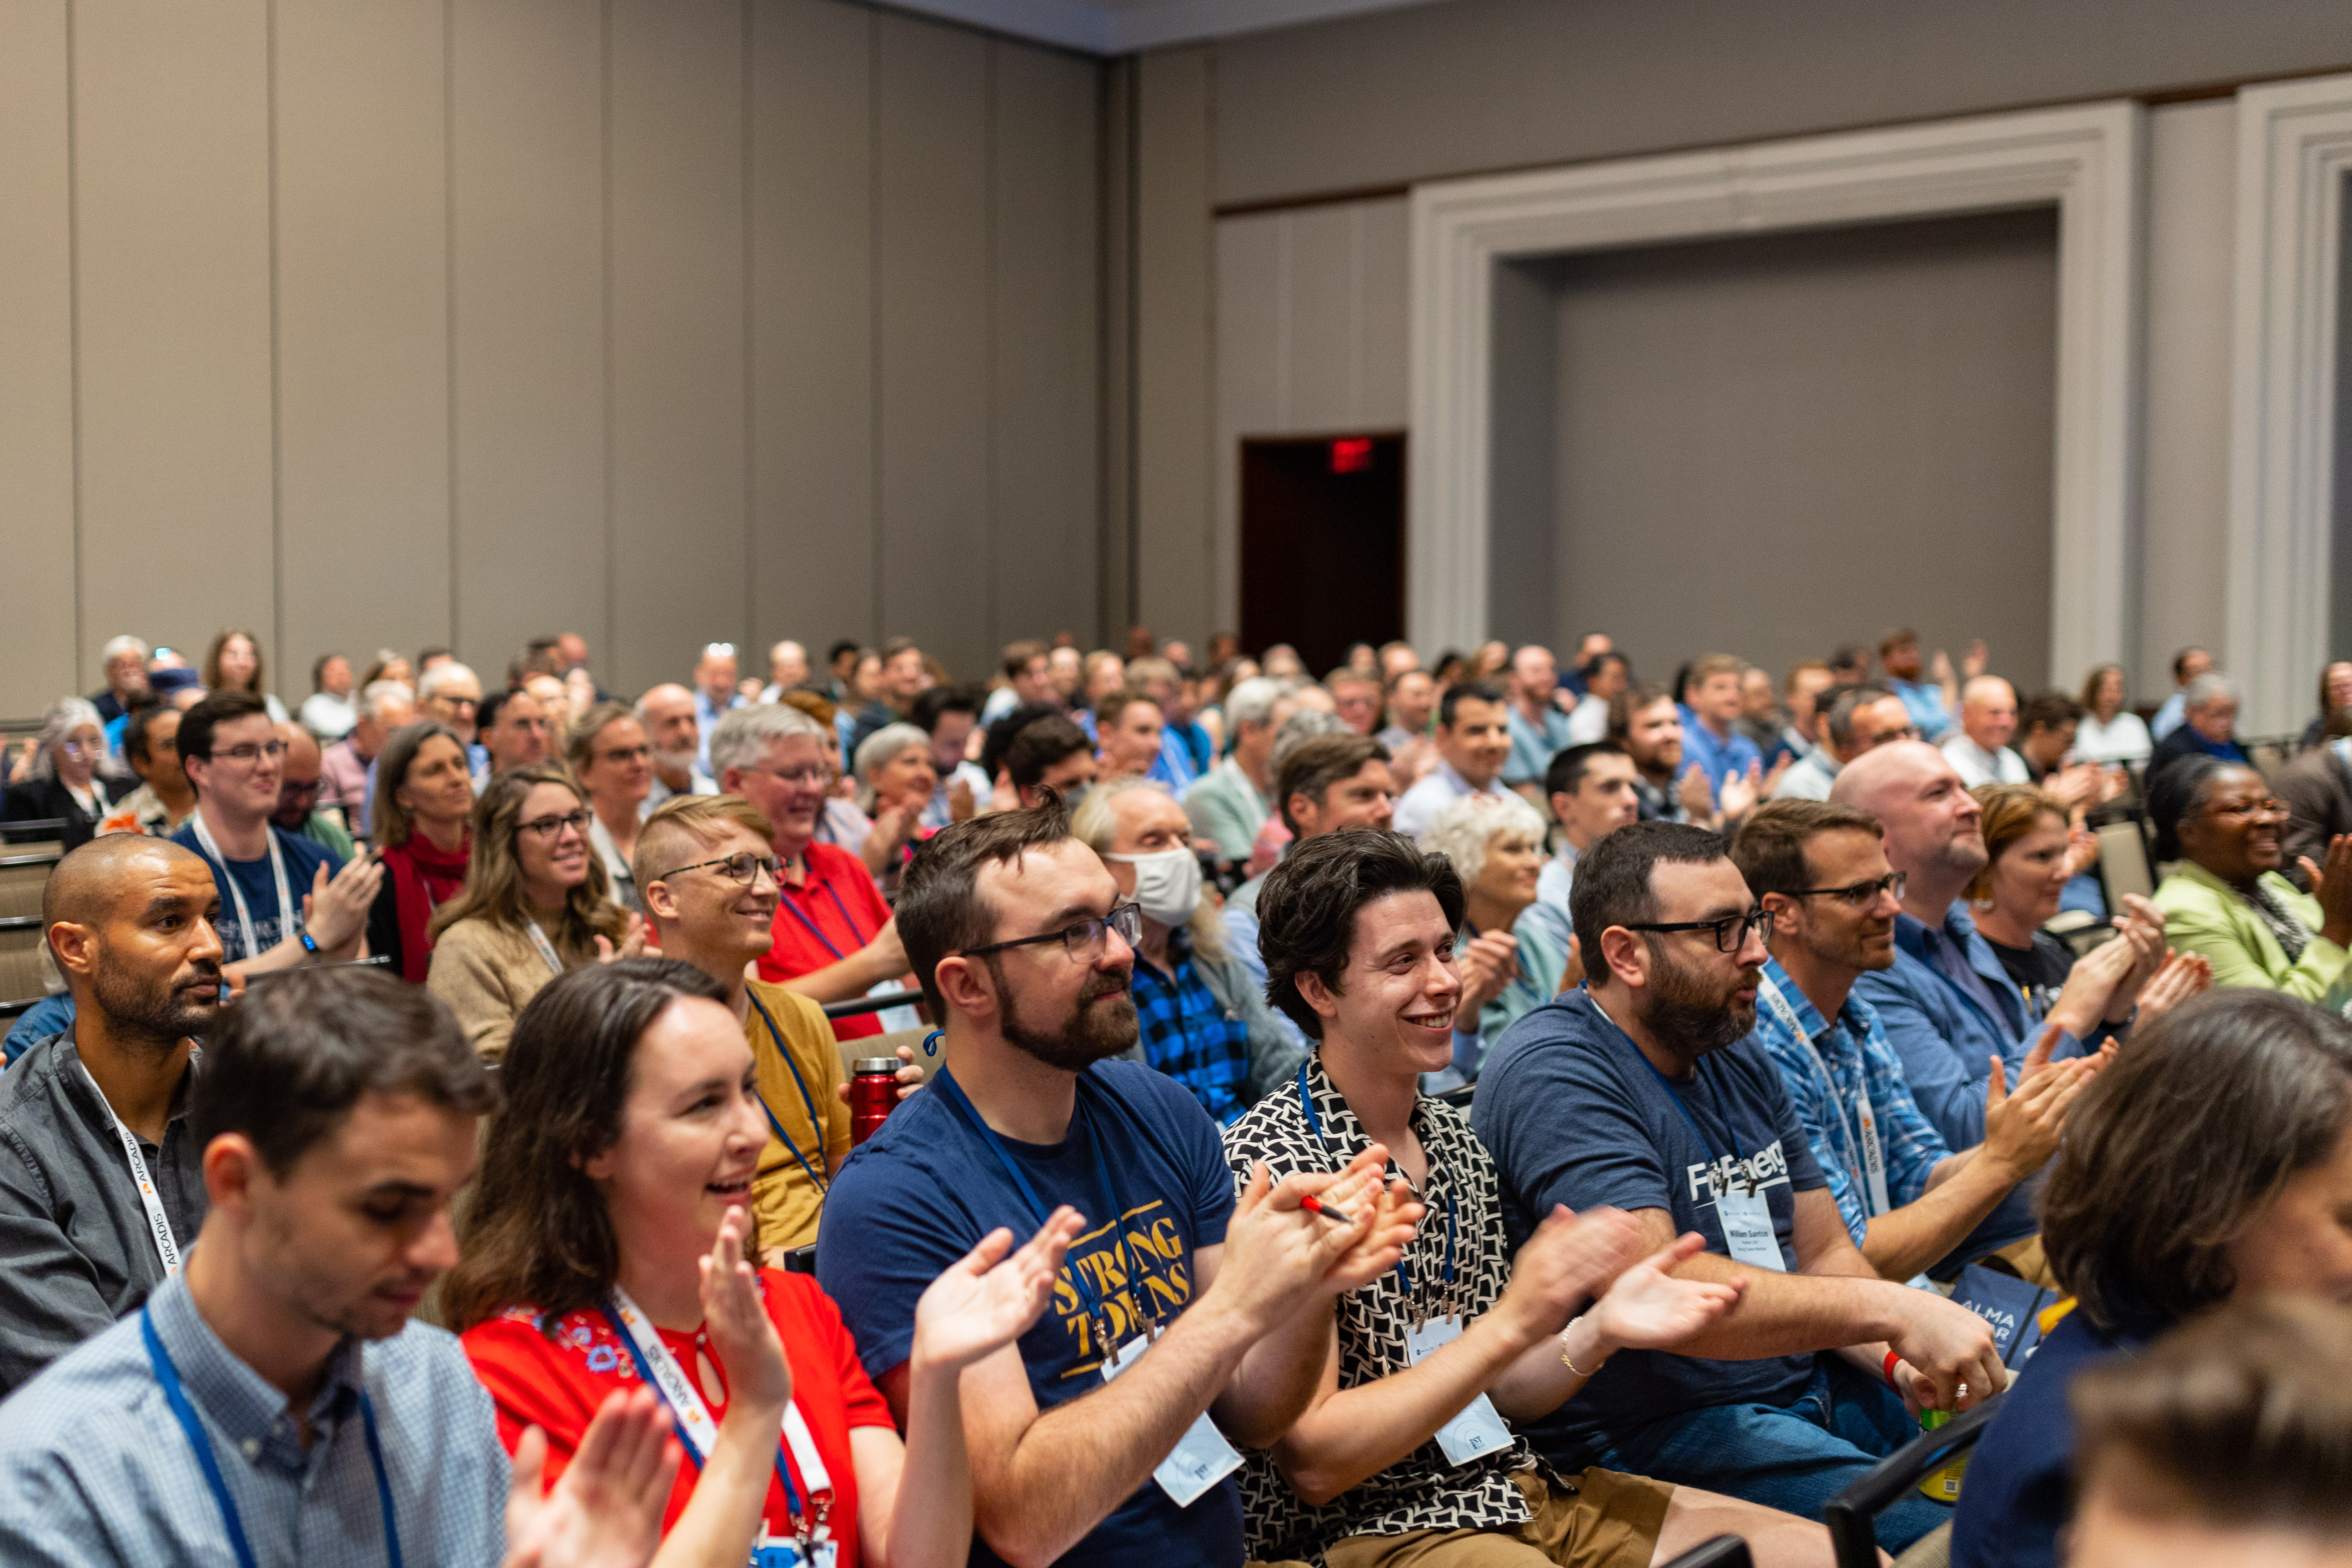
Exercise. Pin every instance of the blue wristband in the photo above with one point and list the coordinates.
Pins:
(309, 944)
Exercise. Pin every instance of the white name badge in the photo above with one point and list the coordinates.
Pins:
(1747, 1219)
(1476, 1430)
(775, 1551)
(1201, 1456)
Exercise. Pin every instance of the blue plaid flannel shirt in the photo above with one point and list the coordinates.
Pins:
(1854, 1048)
(1187, 1034)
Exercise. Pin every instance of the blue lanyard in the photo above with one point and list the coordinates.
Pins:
(1404, 1265)
(952, 1091)
(808, 1099)
(646, 1376)
(176, 1396)
(799, 915)
(1664, 1083)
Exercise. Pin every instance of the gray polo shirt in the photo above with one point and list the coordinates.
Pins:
(75, 1251)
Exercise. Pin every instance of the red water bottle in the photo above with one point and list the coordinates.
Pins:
(873, 1094)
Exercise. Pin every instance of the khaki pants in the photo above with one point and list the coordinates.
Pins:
(1600, 1518)
(2028, 1262)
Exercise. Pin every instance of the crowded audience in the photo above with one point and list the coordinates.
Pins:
(1526, 1110)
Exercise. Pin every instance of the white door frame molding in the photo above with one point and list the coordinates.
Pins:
(2294, 150)
(2088, 162)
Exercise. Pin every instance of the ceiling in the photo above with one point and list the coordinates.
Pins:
(1121, 26)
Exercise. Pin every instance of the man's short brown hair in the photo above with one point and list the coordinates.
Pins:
(1769, 847)
(941, 911)
(1713, 664)
(1632, 700)
(1017, 655)
(1108, 711)
(1318, 763)
(1900, 637)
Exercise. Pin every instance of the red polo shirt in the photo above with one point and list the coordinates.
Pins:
(836, 910)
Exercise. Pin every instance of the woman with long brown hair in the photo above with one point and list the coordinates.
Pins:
(424, 803)
(234, 664)
(615, 1180)
(535, 905)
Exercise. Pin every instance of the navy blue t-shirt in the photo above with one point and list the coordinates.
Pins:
(924, 1190)
(303, 858)
(1574, 1114)
(2021, 1488)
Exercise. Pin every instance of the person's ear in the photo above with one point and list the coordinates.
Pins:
(1626, 955)
(660, 901)
(75, 947)
(965, 985)
(233, 1170)
(1316, 994)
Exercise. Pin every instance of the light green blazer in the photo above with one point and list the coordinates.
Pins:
(2204, 914)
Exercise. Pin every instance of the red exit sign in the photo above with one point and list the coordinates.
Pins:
(1352, 454)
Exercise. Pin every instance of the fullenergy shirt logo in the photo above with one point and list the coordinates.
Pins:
(1162, 1288)
(1709, 1179)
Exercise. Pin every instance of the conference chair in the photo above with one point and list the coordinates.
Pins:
(1849, 1514)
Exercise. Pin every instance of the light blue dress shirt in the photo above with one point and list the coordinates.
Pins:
(95, 1469)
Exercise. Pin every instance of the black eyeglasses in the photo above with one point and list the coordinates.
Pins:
(551, 827)
(1084, 940)
(1861, 895)
(1730, 932)
(742, 868)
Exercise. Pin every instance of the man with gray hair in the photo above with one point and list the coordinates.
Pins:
(788, 666)
(1979, 747)
(1859, 719)
(2208, 725)
(1233, 800)
(452, 694)
(347, 768)
(674, 731)
(125, 658)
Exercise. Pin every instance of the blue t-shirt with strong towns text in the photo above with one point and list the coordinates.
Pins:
(924, 1190)
(1574, 1114)
(303, 858)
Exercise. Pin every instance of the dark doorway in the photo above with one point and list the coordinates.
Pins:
(1322, 544)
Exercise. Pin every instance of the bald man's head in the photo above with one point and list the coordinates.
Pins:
(130, 921)
(1988, 711)
(1933, 823)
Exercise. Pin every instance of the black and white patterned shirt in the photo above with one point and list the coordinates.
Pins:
(1420, 1491)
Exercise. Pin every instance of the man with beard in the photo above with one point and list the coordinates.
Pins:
(1640, 1093)
(336, 1114)
(1648, 723)
(668, 713)
(1026, 955)
(1948, 1005)
(85, 1228)
(1907, 1199)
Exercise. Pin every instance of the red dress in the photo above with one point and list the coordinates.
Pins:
(557, 1384)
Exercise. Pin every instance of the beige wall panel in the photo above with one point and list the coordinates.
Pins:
(678, 193)
(1323, 291)
(931, 180)
(171, 111)
(363, 313)
(2185, 456)
(1179, 588)
(812, 434)
(1384, 317)
(46, 657)
(1430, 90)
(529, 314)
(1044, 346)
(1251, 362)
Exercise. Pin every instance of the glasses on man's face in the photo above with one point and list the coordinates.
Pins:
(1859, 895)
(550, 827)
(1730, 932)
(1887, 737)
(299, 786)
(249, 751)
(815, 774)
(1084, 940)
(743, 869)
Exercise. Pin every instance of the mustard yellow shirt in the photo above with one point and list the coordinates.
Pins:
(786, 1200)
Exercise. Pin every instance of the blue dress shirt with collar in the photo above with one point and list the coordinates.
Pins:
(1719, 756)
(94, 1468)
(1949, 1007)
(1923, 700)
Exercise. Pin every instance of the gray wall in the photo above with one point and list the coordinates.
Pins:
(1478, 85)
(363, 321)
(1772, 445)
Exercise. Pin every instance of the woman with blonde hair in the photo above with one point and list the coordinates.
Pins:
(536, 905)
(235, 665)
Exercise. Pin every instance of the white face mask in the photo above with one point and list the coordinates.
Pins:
(1167, 884)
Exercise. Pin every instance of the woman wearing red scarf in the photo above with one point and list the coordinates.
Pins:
(424, 797)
